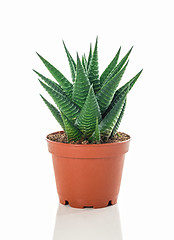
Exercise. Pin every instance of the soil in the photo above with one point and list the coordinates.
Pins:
(61, 137)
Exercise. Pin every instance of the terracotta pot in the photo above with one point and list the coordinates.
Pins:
(88, 175)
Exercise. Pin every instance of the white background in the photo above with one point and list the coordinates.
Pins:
(28, 198)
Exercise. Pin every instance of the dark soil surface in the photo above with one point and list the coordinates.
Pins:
(61, 137)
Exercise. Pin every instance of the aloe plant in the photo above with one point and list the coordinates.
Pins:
(89, 107)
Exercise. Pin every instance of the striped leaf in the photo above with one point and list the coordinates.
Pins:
(129, 83)
(93, 73)
(70, 109)
(97, 132)
(106, 93)
(72, 132)
(86, 120)
(84, 62)
(118, 67)
(81, 85)
(72, 63)
(119, 120)
(107, 124)
(64, 83)
(110, 67)
(51, 83)
(54, 112)
(90, 56)
(122, 90)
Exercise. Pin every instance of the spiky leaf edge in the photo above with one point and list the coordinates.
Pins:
(93, 72)
(106, 93)
(72, 63)
(86, 120)
(72, 132)
(107, 124)
(118, 67)
(60, 78)
(110, 67)
(69, 108)
(54, 112)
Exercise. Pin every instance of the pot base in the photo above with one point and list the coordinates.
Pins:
(94, 205)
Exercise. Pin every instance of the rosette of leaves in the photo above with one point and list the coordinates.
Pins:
(89, 107)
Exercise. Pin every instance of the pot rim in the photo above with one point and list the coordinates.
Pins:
(85, 145)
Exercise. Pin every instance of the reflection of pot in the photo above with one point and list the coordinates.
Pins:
(88, 175)
(87, 224)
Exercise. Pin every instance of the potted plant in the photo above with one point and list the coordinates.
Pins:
(88, 155)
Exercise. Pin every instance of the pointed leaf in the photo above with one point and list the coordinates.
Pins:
(107, 124)
(72, 63)
(64, 83)
(110, 67)
(72, 132)
(129, 83)
(93, 73)
(106, 93)
(119, 120)
(81, 85)
(54, 111)
(84, 62)
(86, 120)
(70, 109)
(122, 90)
(118, 67)
(51, 83)
(89, 57)
(96, 134)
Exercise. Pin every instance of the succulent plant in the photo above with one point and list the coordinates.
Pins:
(88, 107)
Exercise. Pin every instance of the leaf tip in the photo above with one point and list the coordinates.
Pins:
(38, 54)
(43, 84)
(41, 96)
(96, 42)
(78, 58)
(63, 43)
(131, 48)
(34, 70)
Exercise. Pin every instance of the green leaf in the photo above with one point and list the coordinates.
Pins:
(110, 67)
(86, 120)
(118, 67)
(122, 90)
(72, 132)
(119, 120)
(129, 83)
(84, 62)
(106, 93)
(90, 56)
(70, 109)
(96, 134)
(54, 112)
(51, 83)
(64, 83)
(72, 63)
(93, 73)
(107, 124)
(81, 85)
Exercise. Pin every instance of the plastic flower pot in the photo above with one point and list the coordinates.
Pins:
(88, 175)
